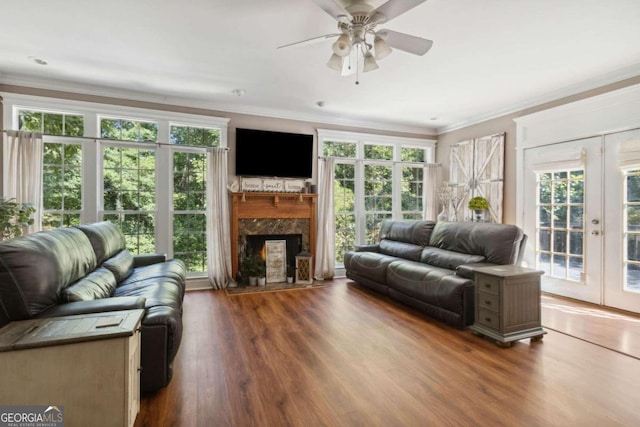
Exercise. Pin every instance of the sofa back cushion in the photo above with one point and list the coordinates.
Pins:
(98, 284)
(106, 238)
(121, 265)
(36, 267)
(416, 232)
(498, 243)
(447, 259)
(400, 249)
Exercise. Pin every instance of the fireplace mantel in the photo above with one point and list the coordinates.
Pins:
(257, 205)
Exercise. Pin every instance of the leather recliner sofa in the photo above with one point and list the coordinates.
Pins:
(429, 266)
(86, 269)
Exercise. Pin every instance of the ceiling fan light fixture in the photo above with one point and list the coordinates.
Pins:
(335, 62)
(342, 46)
(370, 63)
(381, 48)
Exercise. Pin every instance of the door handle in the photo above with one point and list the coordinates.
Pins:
(595, 221)
(595, 233)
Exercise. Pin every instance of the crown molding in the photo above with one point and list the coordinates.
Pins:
(571, 90)
(131, 95)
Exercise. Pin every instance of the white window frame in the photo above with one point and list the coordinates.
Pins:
(92, 144)
(362, 139)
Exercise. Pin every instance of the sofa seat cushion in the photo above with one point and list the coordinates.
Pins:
(157, 292)
(172, 271)
(370, 265)
(447, 259)
(437, 286)
(98, 284)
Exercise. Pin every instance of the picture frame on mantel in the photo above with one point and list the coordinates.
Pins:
(251, 184)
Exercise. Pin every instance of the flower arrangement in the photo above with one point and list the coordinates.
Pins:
(478, 203)
(14, 217)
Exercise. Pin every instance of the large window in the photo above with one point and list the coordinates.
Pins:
(144, 170)
(189, 194)
(62, 164)
(375, 178)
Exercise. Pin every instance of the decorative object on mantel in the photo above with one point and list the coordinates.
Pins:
(251, 184)
(234, 186)
(479, 206)
(304, 268)
(272, 185)
(14, 217)
(476, 168)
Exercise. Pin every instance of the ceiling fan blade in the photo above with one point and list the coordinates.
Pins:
(394, 8)
(337, 11)
(310, 41)
(405, 42)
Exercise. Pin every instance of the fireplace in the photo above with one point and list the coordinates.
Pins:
(255, 245)
(272, 214)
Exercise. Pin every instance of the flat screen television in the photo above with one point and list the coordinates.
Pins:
(273, 154)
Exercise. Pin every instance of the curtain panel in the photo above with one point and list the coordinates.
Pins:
(23, 178)
(218, 220)
(325, 236)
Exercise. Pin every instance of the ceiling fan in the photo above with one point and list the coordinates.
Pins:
(358, 39)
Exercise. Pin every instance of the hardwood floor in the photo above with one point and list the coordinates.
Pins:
(343, 356)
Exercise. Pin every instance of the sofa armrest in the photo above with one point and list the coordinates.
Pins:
(467, 270)
(144, 260)
(367, 248)
(94, 306)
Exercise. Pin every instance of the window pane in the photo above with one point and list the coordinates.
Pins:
(544, 237)
(378, 152)
(412, 154)
(559, 266)
(544, 219)
(632, 273)
(560, 192)
(576, 220)
(189, 241)
(338, 149)
(74, 125)
(633, 218)
(53, 124)
(633, 187)
(544, 262)
(544, 190)
(560, 241)
(633, 247)
(575, 269)
(576, 243)
(411, 195)
(31, 121)
(129, 185)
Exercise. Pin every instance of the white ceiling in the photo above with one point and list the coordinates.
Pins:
(489, 56)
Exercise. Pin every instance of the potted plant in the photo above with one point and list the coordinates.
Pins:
(14, 217)
(261, 271)
(478, 205)
(249, 268)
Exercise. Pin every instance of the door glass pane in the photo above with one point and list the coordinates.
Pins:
(560, 223)
(632, 230)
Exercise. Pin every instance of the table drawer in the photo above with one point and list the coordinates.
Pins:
(489, 318)
(488, 301)
(488, 284)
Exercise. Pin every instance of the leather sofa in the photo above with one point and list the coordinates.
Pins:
(429, 266)
(86, 269)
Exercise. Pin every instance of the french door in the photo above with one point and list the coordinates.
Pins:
(582, 214)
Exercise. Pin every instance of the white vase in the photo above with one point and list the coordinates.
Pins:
(253, 281)
(443, 215)
(262, 281)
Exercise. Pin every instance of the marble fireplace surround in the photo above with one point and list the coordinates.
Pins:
(254, 213)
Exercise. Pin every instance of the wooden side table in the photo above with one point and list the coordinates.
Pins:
(88, 364)
(507, 304)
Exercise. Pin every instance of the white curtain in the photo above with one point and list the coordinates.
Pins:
(23, 180)
(326, 229)
(218, 221)
(430, 192)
